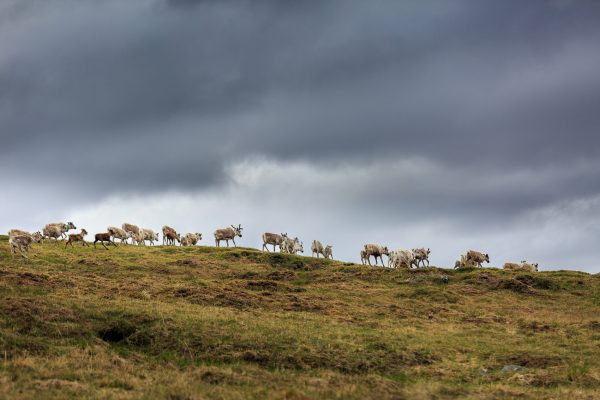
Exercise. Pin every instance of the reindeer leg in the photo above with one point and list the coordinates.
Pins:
(23, 253)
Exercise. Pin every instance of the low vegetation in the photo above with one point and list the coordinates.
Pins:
(204, 322)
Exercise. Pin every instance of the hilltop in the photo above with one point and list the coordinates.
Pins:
(204, 322)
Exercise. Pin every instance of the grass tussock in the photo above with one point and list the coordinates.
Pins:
(202, 322)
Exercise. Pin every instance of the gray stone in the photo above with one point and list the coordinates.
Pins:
(512, 368)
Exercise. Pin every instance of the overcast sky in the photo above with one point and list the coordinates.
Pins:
(445, 124)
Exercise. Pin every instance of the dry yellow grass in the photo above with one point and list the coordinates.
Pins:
(195, 323)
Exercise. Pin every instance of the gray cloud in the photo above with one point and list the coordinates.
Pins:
(103, 98)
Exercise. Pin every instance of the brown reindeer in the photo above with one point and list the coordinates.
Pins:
(77, 237)
(103, 237)
(170, 235)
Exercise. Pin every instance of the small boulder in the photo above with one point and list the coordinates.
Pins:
(512, 368)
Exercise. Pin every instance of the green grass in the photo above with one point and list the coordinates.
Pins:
(202, 322)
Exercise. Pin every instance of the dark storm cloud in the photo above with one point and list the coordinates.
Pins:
(143, 96)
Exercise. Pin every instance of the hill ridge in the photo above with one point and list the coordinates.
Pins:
(205, 322)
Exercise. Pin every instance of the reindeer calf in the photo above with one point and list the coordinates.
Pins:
(77, 237)
(103, 237)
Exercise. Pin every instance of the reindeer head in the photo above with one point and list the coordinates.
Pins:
(535, 266)
(385, 251)
(156, 236)
(83, 232)
(199, 236)
(487, 258)
(37, 237)
(70, 225)
(238, 230)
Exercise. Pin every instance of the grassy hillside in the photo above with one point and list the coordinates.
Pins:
(195, 323)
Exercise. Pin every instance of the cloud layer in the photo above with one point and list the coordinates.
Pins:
(451, 124)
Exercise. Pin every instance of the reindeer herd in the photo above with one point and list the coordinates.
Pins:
(400, 258)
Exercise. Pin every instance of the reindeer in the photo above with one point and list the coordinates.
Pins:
(292, 246)
(77, 237)
(149, 235)
(228, 234)
(170, 235)
(421, 255)
(317, 248)
(132, 230)
(191, 239)
(103, 237)
(274, 239)
(376, 251)
(57, 230)
(477, 257)
(37, 237)
(22, 243)
(118, 233)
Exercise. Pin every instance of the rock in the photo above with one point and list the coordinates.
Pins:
(512, 368)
